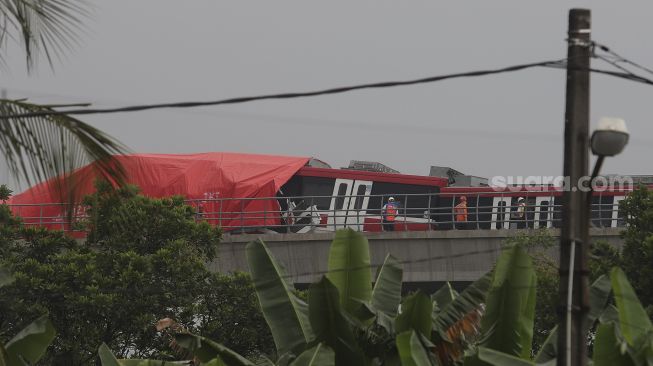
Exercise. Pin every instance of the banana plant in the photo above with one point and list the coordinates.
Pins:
(345, 309)
(107, 358)
(348, 320)
(625, 334)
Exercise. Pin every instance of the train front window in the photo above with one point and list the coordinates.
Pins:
(340, 200)
(360, 196)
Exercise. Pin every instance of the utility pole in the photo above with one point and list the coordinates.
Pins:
(574, 238)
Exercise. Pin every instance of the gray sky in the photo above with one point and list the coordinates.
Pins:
(148, 51)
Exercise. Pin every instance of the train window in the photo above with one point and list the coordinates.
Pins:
(316, 186)
(360, 196)
(544, 213)
(618, 216)
(342, 191)
(501, 212)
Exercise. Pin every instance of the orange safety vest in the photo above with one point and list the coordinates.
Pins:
(390, 212)
(461, 211)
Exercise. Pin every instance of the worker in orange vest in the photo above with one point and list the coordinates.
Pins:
(389, 212)
(460, 210)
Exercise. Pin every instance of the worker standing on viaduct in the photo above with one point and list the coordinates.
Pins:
(389, 212)
(461, 214)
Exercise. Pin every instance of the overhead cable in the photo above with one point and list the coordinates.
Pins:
(336, 90)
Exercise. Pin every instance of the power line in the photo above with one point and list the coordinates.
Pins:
(620, 58)
(561, 63)
(337, 90)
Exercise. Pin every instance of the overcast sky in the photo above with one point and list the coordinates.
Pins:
(145, 51)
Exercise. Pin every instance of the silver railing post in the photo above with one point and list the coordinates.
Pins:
(453, 215)
(242, 215)
(221, 201)
(335, 203)
(265, 211)
(428, 213)
(405, 213)
(478, 199)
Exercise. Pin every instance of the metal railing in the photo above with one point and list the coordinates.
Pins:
(302, 214)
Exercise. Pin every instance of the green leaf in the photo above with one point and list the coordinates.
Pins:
(349, 269)
(213, 362)
(5, 277)
(48, 27)
(469, 300)
(608, 350)
(135, 362)
(30, 343)
(507, 325)
(320, 355)
(599, 299)
(633, 320)
(415, 314)
(330, 324)
(412, 351)
(496, 358)
(386, 294)
(207, 350)
(3, 356)
(54, 146)
(444, 296)
(106, 356)
(285, 313)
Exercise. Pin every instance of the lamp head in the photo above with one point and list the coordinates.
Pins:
(610, 137)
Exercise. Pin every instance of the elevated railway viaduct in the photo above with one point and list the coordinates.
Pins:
(429, 258)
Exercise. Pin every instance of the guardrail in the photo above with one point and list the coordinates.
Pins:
(300, 214)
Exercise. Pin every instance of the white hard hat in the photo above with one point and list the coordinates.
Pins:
(520, 199)
(391, 199)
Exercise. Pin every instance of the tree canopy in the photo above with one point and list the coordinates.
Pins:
(145, 259)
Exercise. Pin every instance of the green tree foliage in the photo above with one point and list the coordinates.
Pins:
(144, 260)
(637, 253)
(5, 193)
(28, 346)
(229, 313)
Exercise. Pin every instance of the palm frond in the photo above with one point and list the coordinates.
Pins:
(41, 148)
(48, 26)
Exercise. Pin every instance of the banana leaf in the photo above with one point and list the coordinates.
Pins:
(320, 355)
(609, 349)
(30, 343)
(206, 350)
(412, 351)
(331, 325)
(415, 314)
(349, 269)
(386, 294)
(285, 313)
(507, 325)
(633, 320)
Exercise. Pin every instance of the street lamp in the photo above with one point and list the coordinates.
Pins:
(609, 139)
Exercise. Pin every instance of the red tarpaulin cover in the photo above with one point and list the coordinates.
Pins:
(194, 176)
